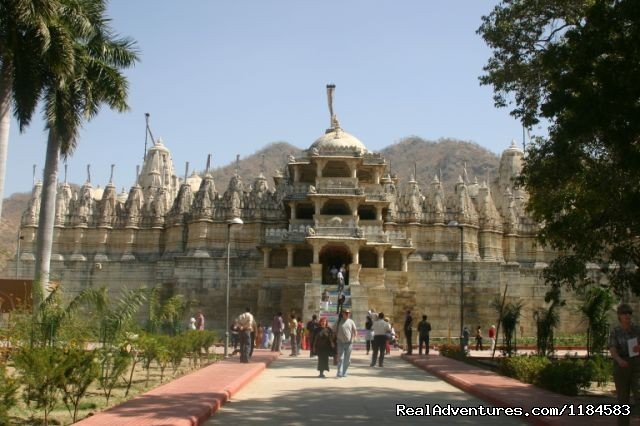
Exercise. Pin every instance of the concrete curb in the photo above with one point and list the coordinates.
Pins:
(504, 391)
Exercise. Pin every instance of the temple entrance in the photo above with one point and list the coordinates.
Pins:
(332, 258)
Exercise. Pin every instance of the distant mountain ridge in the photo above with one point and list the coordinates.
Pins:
(447, 158)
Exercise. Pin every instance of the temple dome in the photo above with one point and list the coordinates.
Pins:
(336, 139)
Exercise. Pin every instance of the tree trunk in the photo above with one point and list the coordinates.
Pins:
(46, 220)
(5, 123)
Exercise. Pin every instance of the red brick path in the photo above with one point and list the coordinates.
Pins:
(188, 400)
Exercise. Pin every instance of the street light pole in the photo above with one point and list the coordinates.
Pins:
(18, 243)
(230, 223)
(454, 224)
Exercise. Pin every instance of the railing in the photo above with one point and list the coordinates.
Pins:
(339, 231)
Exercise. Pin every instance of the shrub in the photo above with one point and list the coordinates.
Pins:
(8, 388)
(524, 368)
(42, 373)
(452, 351)
(601, 369)
(566, 376)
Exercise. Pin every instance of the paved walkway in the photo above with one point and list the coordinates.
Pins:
(288, 392)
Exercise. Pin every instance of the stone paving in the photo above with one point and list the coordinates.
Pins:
(289, 392)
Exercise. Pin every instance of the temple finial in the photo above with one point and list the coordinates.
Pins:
(186, 171)
(88, 173)
(332, 117)
(206, 171)
(237, 164)
(66, 166)
(262, 166)
(111, 177)
(33, 178)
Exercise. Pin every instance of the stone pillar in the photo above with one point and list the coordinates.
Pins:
(296, 174)
(197, 244)
(316, 273)
(354, 274)
(266, 256)
(289, 256)
(404, 262)
(128, 244)
(78, 236)
(380, 251)
(510, 251)
(101, 239)
(378, 213)
(293, 210)
(316, 253)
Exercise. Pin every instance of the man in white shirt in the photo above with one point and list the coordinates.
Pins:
(381, 329)
(247, 324)
(346, 333)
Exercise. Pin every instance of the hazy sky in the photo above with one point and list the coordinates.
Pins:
(229, 77)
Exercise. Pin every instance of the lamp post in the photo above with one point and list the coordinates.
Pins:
(235, 222)
(18, 243)
(454, 224)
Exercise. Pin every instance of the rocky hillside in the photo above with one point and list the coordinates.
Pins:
(445, 158)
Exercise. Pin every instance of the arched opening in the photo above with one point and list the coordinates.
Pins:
(336, 169)
(305, 211)
(302, 257)
(334, 256)
(365, 176)
(393, 260)
(368, 258)
(367, 212)
(335, 208)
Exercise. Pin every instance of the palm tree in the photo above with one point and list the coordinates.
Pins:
(74, 96)
(26, 35)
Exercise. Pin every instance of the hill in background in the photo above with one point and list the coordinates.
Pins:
(445, 158)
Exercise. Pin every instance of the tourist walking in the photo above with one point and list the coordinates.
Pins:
(200, 321)
(300, 334)
(293, 334)
(235, 337)
(368, 325)
(492, 336)
(312, 327)
(424, 328)
(625, 350)
(408, 331)
(465, 339)
(277, 328)
(381, 329)
(341, 299)
(346, 333)
(247, 325)
(324, 345)
(340, 277)
(324, 300)
(479, 339)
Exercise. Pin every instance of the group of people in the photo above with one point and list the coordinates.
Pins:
(479, 338)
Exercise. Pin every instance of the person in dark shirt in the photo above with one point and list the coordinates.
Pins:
(408, 332)
(424, 328)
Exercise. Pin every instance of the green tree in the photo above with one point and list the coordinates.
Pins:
(73, 96)
(27, 32)
(574, 65)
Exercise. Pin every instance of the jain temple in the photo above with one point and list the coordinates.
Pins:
(403, 247)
